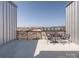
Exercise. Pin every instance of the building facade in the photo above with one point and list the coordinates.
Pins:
(8, 21)
(72, 20)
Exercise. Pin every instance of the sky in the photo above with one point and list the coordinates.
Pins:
(40, 13)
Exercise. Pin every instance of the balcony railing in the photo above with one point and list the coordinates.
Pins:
(52, 33)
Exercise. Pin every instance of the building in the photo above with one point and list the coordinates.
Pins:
(28, 33)
(72, 20)
(8, 21)
(35, 32)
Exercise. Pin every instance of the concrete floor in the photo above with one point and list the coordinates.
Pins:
(18, 49)
(45, 49)
(38, 49)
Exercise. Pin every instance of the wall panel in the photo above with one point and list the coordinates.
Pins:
(73, 21)
(1, 22)
(15, 25)
(5, 21)
(78, 21)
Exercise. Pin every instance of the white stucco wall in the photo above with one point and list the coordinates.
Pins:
(72, 21)
(8, 19)
(1, 22)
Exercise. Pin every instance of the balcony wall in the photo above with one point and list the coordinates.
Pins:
(8, 18)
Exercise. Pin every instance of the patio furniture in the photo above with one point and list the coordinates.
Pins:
(64, 38)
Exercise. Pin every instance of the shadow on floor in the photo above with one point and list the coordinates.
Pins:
(58, 54)
(18, 49)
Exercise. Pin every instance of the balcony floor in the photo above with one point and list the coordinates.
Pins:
(47, 50)
(18, 49)
(38, 49)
